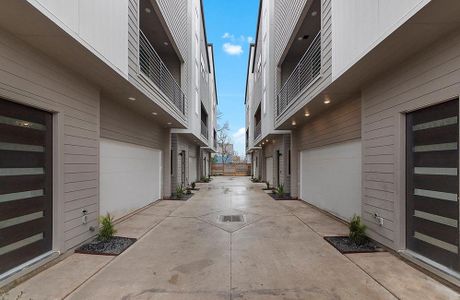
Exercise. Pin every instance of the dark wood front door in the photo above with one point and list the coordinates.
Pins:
(432, 211)
(25, 184)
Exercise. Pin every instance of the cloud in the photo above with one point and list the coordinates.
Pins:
(232, 49)
(250, 39)
(228, 36)
(239, 140)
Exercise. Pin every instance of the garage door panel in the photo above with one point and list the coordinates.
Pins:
(192, 169)
(330, 178)
(269, 170)
(129, 177)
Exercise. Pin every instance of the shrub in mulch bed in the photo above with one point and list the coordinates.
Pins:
(345, 245)
(286, 196)
(113, 246)
(356, 241)
(184, 197)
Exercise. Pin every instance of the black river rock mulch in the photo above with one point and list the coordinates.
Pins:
(282, 197)
(345, 245)
(183, 198)
(114, 246)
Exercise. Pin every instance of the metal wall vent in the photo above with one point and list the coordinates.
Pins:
(231, 218)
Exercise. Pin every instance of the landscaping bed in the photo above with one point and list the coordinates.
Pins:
(114, 246)
(285, 196)
(184, 197)
(345, 245)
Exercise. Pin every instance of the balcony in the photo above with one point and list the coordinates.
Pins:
(154, 68)
(204, 130)
(305, 72)
(257, 130)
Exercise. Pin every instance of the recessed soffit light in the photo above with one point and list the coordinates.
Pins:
(314, 13)
(132, 99)
(148, 10)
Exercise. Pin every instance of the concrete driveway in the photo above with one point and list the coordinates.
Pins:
(184, 252)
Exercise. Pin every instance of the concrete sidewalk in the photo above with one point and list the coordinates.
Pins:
(183, 252)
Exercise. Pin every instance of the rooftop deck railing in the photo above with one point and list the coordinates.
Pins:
(154, 68)
(304, 73)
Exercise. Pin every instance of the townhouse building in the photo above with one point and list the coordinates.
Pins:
(106, 107)
(353, 105)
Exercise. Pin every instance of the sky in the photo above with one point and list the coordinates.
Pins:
(231, 27)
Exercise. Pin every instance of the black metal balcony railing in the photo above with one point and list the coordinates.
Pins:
(204, 130)
(257, 130)
(153, 67)
(215, 143)
(304, 73)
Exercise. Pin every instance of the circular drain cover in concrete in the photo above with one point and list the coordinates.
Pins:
(230, 218)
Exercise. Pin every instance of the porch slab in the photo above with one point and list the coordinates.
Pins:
(318, 221)
(61, 279)
(138, 225)
(281, 258)
(401, 279)
(174, 260)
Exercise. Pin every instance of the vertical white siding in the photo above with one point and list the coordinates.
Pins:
(359, 25)
(286, 18)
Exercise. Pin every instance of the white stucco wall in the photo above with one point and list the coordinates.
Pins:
(101, 26)
(359, 25)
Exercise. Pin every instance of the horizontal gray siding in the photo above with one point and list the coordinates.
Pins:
(30, 78)
(336, 125)
(428, 78)
(120, 123)
(326, 59)
(339, 124)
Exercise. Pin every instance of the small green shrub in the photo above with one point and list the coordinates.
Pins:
(180, 191)
(193, 185)
(279, 191)
(107, 229)
(205, 179)
(357, 231)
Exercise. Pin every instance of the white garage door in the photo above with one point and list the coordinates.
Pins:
(269, 170)
(330, 178)
(192, 169)
(130, 177)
